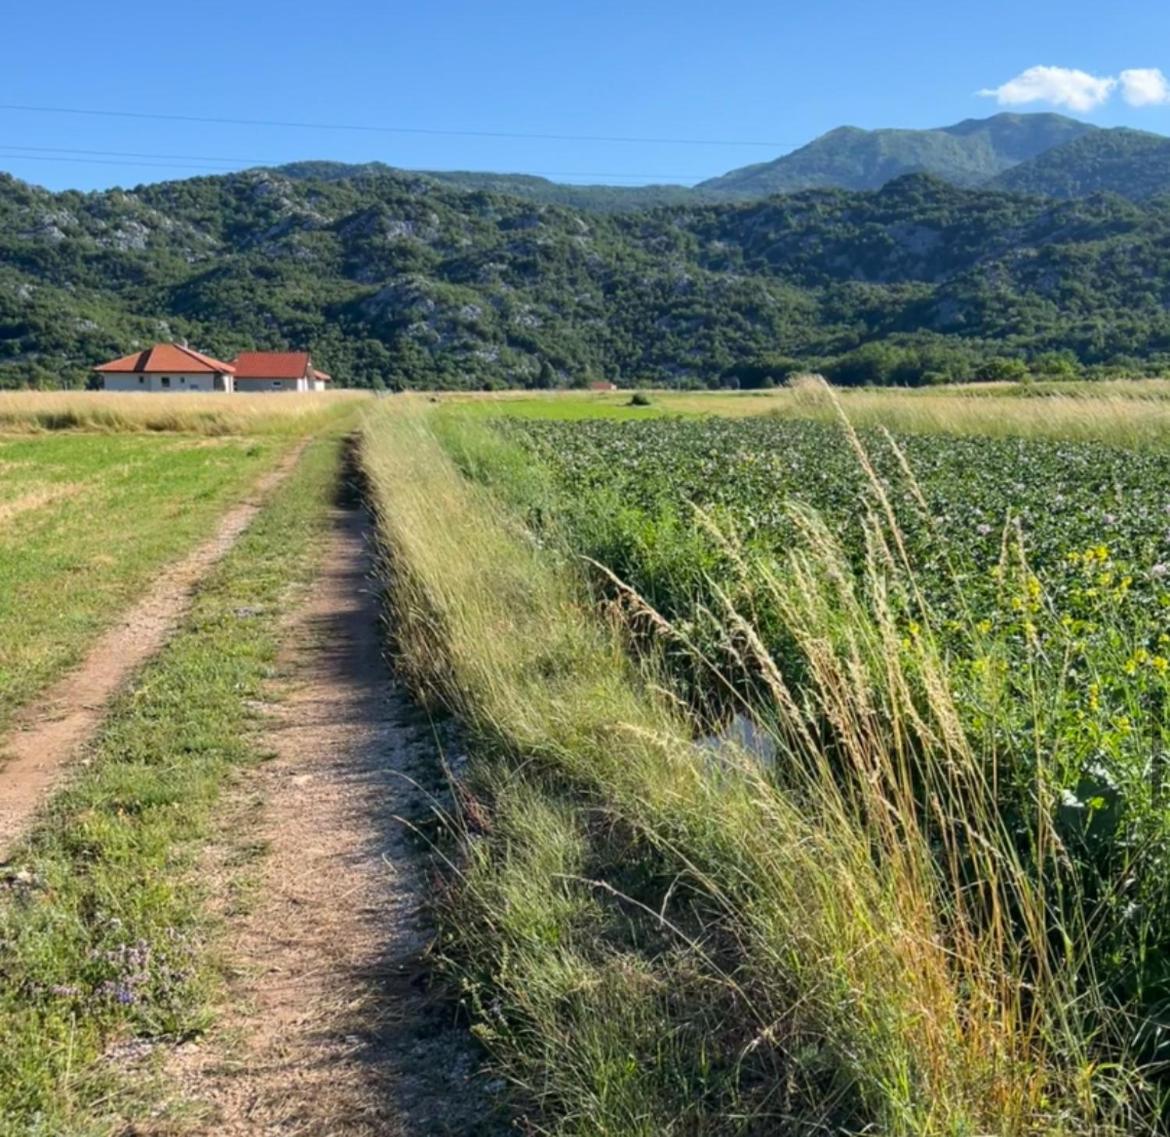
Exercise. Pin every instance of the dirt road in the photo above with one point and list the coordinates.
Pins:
(328, 1029)
(51, 731)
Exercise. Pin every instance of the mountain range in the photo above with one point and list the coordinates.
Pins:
(1043, 154)
(401, 280)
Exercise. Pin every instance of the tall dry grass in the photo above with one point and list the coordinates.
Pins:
(195, 412)
(1118, 414)
(881, 957)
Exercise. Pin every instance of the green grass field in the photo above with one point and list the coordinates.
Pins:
(107, 939)
(573, 405)
(1125, 413)
(99, 492)
(86, 524)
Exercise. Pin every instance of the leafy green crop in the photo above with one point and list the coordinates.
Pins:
(1044, 573)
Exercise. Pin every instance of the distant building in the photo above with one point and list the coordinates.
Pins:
(603, 385)
(176, 367)
(167, 367)
(277, 371)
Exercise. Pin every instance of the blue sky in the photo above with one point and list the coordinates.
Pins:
(775, 73)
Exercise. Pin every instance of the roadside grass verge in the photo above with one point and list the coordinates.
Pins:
(86, 524)
(103, 932)
(659, 937)
(199, 413)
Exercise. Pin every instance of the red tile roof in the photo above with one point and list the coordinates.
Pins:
(272, 364)
(322, 376)
(166, 357)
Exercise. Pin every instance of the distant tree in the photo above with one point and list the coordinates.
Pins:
(762, 371)
(1057, 365)
(1001, 369)
(873, 364)
(546, 377)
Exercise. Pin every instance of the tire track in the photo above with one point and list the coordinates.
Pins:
(49, 732)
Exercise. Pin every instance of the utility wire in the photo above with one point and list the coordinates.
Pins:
(238, 161)
(367, 128)
(88, 157)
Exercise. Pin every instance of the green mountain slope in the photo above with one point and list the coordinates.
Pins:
(967, 154)
(401, 280)
(1132, 163)
(598, 198)
(1030, 153)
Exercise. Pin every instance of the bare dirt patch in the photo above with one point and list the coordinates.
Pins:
(47, 734)
(329, 1029)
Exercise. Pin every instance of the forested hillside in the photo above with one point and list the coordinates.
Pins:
(398, 280)
(969, 153)
(1132, 163)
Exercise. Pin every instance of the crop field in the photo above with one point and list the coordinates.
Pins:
(923, 884)
(962, 496)
(1041, 571)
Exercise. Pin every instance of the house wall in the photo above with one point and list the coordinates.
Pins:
(317, 385)
(179, 382)
(262, 385)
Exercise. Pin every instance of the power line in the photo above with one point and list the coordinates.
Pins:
(112, 162)
(238, 161)
(367, 128)
(89, 157)
(139, 154)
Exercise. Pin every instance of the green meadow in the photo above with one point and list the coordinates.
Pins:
(88, 521)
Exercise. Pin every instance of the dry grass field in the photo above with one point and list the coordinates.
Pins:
(196, 413)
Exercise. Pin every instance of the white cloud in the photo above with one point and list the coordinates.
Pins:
(1060, 86)
(1144, 87)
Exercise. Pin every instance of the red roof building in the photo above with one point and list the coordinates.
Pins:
(176, 367)
(277, 371)
(166, 367)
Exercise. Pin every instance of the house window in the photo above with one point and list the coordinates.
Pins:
(141, 378)
(277, 384)
(165, 381)
(182, 378)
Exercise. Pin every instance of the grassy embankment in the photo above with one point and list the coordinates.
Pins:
(103, 936)
(660, 938)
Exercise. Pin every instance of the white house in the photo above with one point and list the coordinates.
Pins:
(277, 371)
(167, 367)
